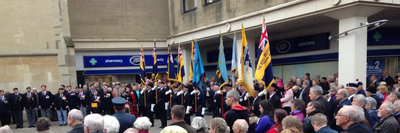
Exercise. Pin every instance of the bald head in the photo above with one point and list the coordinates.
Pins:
(240, 126)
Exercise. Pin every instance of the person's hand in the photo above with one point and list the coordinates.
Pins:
(35, 108)
(67, 107)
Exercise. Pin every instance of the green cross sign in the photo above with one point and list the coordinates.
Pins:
(93, 61)
(176, 59)
(377, 36)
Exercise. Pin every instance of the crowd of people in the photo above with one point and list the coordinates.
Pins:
(300, 105)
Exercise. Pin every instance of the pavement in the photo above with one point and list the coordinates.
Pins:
(63, 129)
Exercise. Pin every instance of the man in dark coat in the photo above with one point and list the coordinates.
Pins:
(75, 121)
(72, 98)
(162, 98)
(348, 118)
(387, 124)
(187, 102)
(45, 102)
(61, 105)
(386, 77)
(201, 103)
(84, 101)
(255, 108)
(178, 114)
(125, 120)
(316, 93)
(30, 105)
(273, 97)
(150, 101)
(17, 99)
(4, 109)
(106, 103)
(237, 111)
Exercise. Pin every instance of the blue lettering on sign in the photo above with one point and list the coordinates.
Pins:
(375, 67)
(121, 61)
(300, 44)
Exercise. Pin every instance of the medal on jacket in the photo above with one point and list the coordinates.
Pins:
(47, 97)
(20, 98)
(33, 99)
(5, 100)
(63, 98)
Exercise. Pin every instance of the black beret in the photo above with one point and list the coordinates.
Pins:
(150, 84)
(190, 87)
(371, 89)
(228, 85)
(359, 83)
(352, 85)
(215, 83)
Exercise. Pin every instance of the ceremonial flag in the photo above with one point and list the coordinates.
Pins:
(181, 68)
(171, 66)
(155, 68)
(264, 73)
(191, 62)
(198, 68)
(142, 67)
(233, 65)
(245, 71)
(222, 73)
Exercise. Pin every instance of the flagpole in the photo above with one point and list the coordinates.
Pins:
(155, 76)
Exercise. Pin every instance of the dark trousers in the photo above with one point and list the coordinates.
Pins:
(31, 115)
(106, 111)
(18, 118)
(162, 113)
(187, 119)
(142, 111)
(5, 119)
(150, 115)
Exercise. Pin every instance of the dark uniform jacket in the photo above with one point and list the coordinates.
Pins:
(201, 103)
(60, 102)
(242, 100)
(45, 100)
(328, 110)
(106, 100)
(176, 100)
(4, 105)
(16, 102)
(72, 99)
(84, 98)
(187, 99)
(150, 98)
(125, 120)
(255, 106)
(276, 101)
(30, 102)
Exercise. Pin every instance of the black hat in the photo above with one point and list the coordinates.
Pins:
(190, 87)
(15, 89)
(352, 85)
(117, 83)
(274, 85)
(215, 83)
(371, 89)
(118, 101)
(150, 84)
(228, 85)
(359, 83)
(60, 88)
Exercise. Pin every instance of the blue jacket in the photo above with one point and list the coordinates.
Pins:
(264, 124)
(373, 114)
(326, 129)
(125, 120)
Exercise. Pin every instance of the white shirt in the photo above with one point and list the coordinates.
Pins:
(329, 99)
(351, 97)
(271, 95)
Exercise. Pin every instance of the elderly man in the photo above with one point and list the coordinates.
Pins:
(316, 95)
(94, 123)
(332, 91)
(371, 92)
(374, 80)
(341, 96)
(312, 108)
(370, 106)
(318, 122)
(386, 77)
(125, 120)
(352, 88)
(142, 124)
(218, 125)
(393, 96)
(237, 111)
(397, 111)
(178, 114)
(388, 123)
(75, 121)
(240, 126)
(348, 118)
(360, 101)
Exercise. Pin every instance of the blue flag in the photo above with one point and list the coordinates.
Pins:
(171, 66)
(198, 68)
(264, 73)
(234, 63)
(222, 73)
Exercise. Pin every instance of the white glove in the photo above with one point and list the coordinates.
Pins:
(246, 96)
(203, 111)
(166, 93)
(188, 109)
(208, 88)
(141, 92)
(152, 107)
(179, 93)
(166, 105)
(218, 92)
(154, 88)
(193, 92)
(207, 94)
(262, 93)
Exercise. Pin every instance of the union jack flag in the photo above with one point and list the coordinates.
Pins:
(263, 40)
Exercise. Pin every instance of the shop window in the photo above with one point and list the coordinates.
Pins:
(211, 1)
(189, 5)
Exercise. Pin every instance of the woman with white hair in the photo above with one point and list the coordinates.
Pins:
(111, 124)
(218, 125)
(173, 129)
(142, 124)
(199, 124)
(94, 123)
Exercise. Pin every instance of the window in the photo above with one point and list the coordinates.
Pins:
(189, 5)
(211, 1)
